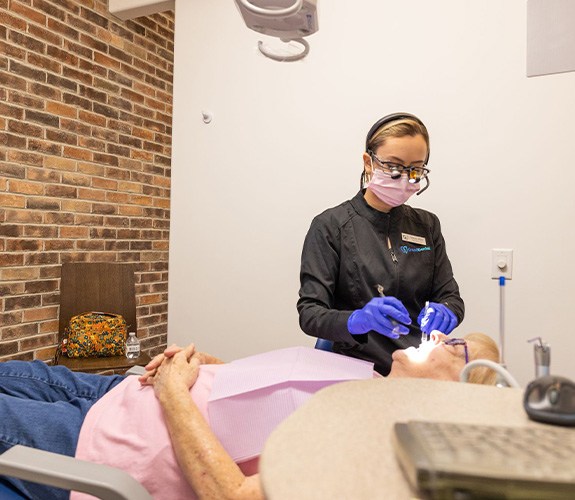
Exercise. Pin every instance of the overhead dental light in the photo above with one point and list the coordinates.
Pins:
(288, 20)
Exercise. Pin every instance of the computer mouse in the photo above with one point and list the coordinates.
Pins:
(551, 399)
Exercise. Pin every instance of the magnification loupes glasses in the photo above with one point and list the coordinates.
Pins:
(396, 170)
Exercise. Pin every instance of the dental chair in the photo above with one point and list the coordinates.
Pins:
(69, 473)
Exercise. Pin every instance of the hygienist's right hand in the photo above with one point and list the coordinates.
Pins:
(380, 314)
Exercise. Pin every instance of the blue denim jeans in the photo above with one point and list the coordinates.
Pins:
(43, 407)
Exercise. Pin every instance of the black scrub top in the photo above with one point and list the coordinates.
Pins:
(349, 250)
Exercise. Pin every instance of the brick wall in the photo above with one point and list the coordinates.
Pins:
(85, 148)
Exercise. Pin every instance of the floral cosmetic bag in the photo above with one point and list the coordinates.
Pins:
(96, 334)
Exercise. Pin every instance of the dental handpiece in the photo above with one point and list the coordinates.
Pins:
(396, 328)
(425, 336)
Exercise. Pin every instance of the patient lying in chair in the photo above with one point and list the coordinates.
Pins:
(179, 446)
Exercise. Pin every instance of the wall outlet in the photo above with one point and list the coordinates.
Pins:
(501, 263)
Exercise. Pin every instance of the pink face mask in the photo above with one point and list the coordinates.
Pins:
(393, 192)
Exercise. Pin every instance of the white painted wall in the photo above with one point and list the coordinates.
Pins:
(286, 142)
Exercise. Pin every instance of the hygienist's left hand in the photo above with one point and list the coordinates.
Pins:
(438, 317)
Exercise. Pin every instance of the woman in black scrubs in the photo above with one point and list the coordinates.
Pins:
(374, 272)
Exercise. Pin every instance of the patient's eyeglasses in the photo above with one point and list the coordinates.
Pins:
(459, 342)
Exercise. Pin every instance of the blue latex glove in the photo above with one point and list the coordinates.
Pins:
(438, 317)
(381, 314)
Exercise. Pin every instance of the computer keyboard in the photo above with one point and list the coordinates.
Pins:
(461, 461)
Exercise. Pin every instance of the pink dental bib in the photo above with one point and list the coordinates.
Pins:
(251, 396)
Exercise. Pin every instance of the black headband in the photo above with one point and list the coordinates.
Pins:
(388, 119)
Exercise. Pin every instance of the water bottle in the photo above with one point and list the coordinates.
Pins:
(132, 346)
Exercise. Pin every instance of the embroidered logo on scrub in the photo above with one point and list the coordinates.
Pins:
(405, 249)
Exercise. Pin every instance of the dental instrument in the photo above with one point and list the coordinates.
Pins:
(425, 336)
(395, 324)
(542, 353)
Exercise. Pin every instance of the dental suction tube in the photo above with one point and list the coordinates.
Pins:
(501, 371)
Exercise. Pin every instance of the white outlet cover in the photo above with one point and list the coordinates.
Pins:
(502, 263)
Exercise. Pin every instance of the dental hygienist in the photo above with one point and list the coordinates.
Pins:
(374, 271)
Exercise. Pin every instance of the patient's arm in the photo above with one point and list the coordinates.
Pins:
(203, 460)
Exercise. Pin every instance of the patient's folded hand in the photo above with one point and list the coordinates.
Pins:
(168, 353)
(176, 374)
(201, 358)
(153, 365)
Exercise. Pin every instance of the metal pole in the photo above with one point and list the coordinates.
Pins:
(502, 320)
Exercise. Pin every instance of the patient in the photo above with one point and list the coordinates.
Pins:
(154, 430)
